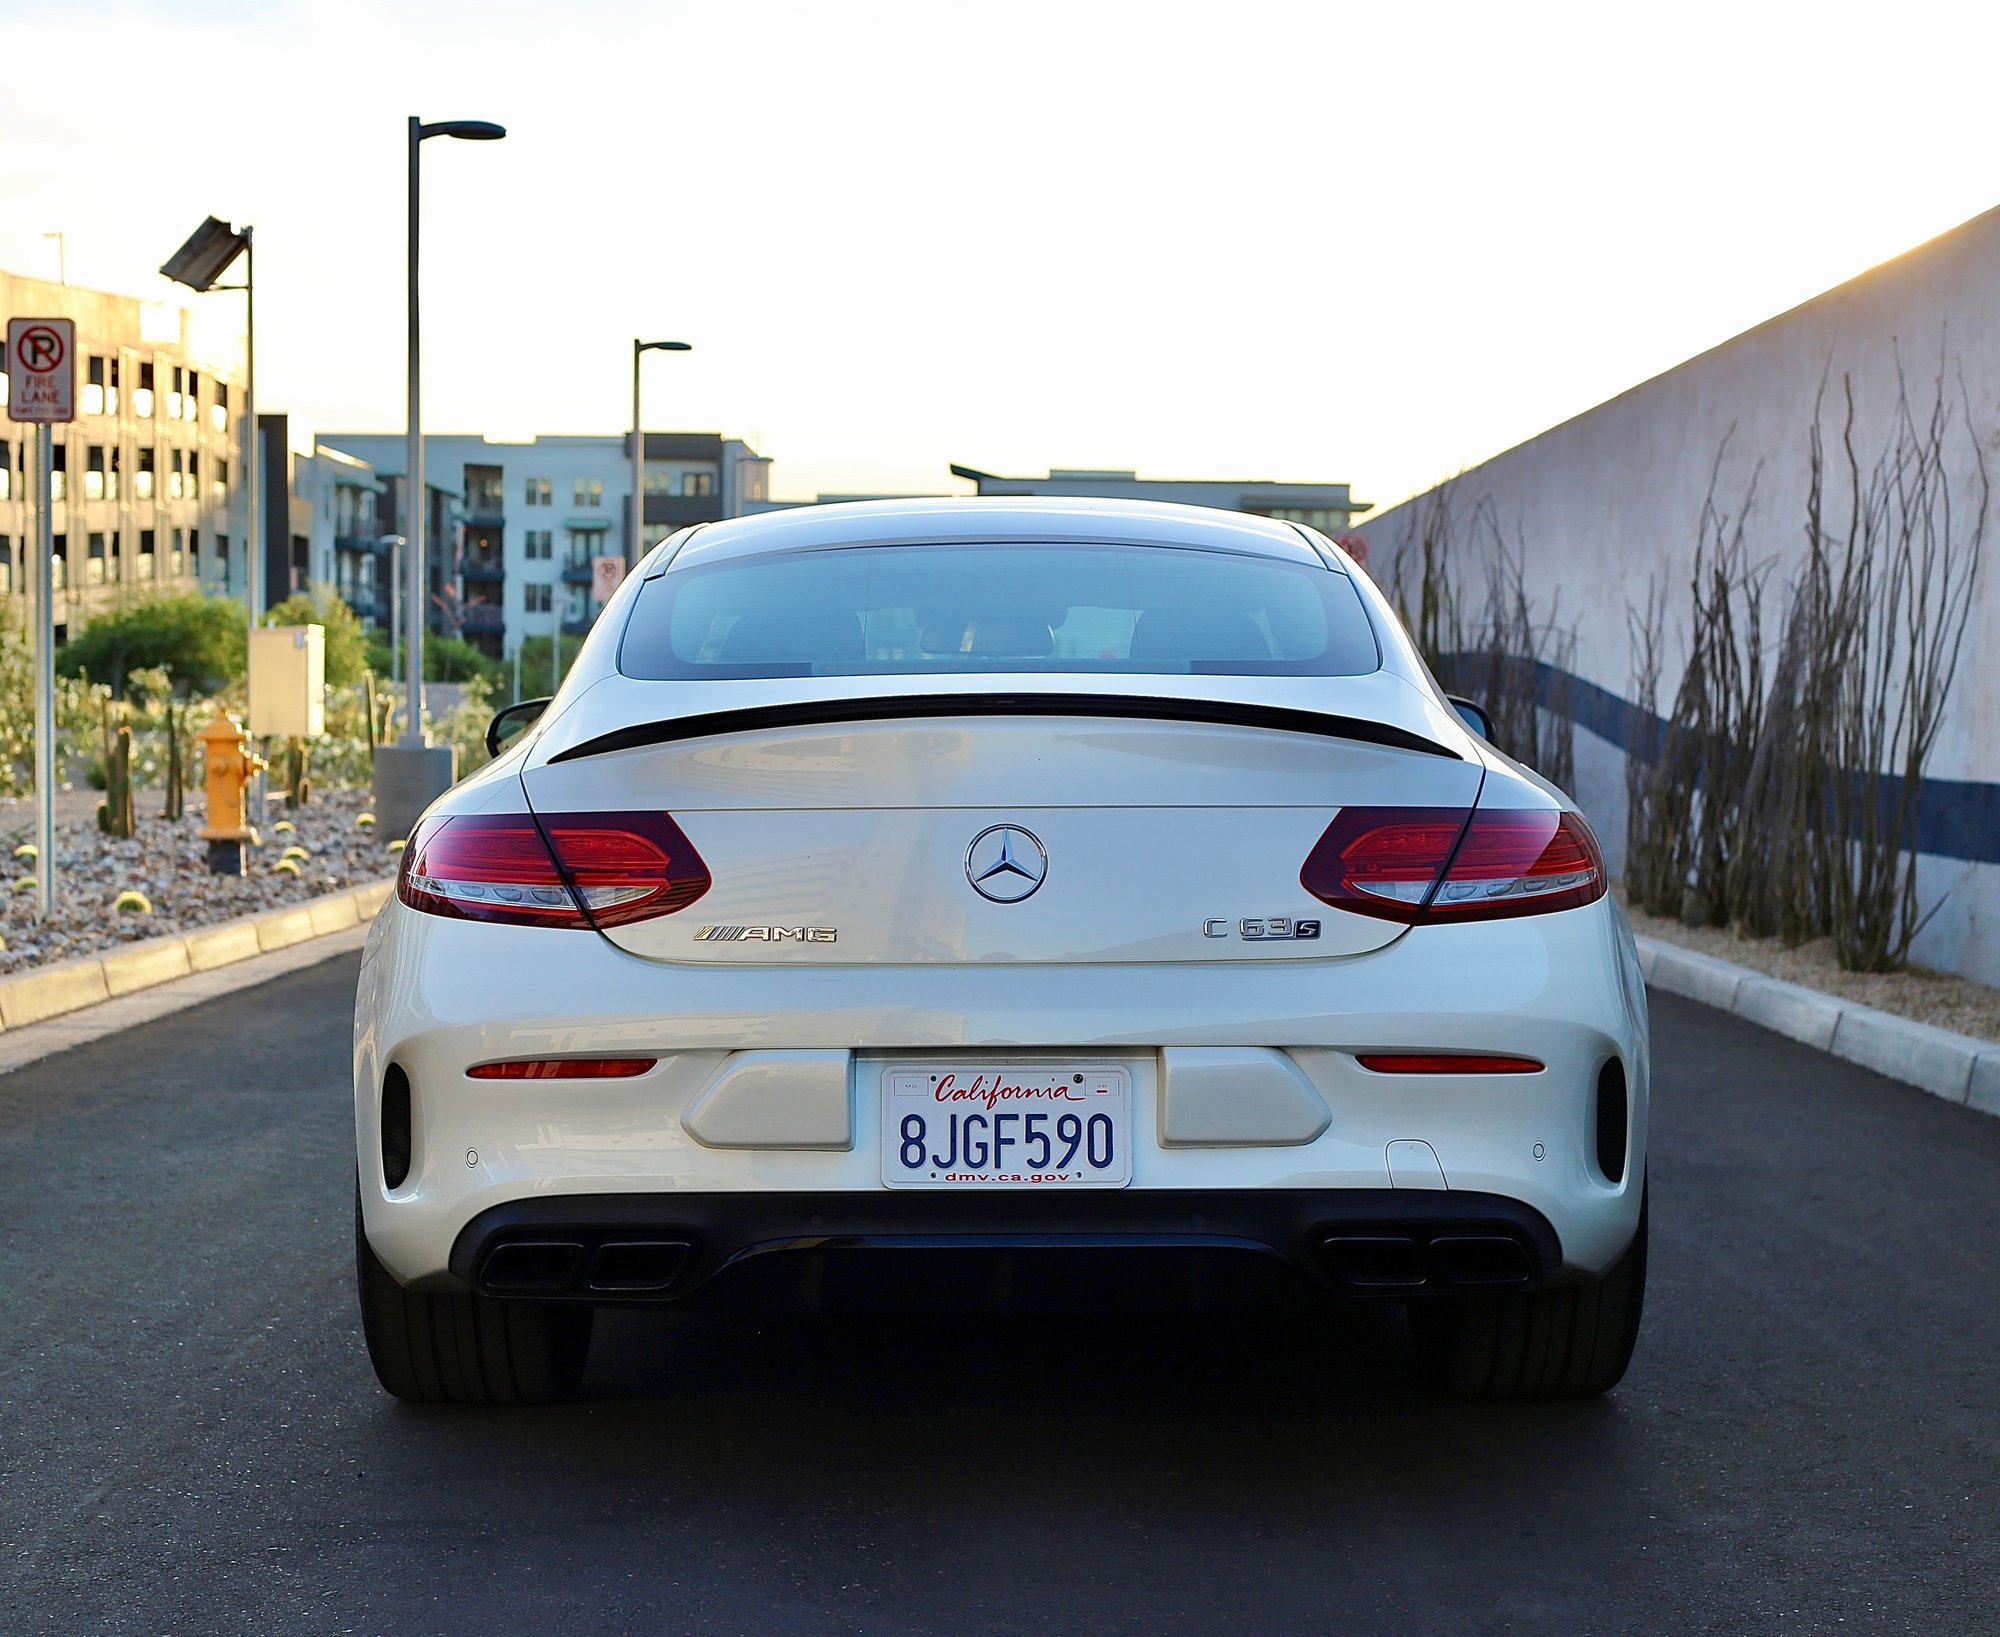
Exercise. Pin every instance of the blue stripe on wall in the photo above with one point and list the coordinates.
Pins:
(1956, 818)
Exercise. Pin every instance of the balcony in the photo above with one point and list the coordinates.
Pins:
(366, 544)
(483, 618)
(485, 512)
(488, 570)
(576, 573)
(576, 625)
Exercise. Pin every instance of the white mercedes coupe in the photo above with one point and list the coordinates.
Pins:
(998, 888)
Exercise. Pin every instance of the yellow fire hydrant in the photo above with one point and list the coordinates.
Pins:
(231, 765)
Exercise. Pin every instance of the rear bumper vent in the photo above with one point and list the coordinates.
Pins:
(397, 1131)
(1614, 1119)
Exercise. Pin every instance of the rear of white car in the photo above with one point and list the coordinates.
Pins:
(1036, 878)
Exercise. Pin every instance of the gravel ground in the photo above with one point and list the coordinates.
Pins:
(168, 862)
(1938, 998)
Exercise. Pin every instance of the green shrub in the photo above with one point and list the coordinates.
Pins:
(196, 642)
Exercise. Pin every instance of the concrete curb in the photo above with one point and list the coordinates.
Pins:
(35, 997)
(1959, 1068)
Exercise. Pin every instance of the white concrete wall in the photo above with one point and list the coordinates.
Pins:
(1612, 498)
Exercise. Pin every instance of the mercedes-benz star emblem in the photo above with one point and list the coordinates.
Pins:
(1005, 863)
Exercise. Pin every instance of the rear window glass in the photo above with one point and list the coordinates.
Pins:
(935, 610)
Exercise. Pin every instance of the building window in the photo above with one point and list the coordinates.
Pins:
(177, 562)
(192, 403)
(59, 561)
(218, 412)
(145, 570)
(93, 388)
(174, 393)
(6, 565)
(221, 570)
(142, 395)
(6, 466)
(582, 544)
(218, 486)
(589, 491)
(541, 492)
(142, 480)
(540, 545)
(59, 472)
(697, 483)
(93, 568)
(175, 477)
(538, 598)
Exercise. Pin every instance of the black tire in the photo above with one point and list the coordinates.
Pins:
(431, 1349)
(1567, 1341)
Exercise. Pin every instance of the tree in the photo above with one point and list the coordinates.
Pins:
(197, 640)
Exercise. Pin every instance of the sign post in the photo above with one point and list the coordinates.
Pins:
(41, 389)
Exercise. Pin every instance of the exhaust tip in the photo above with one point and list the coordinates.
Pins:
(531, 1266)
(1481, 1259)
(1375, 1261)
(638, 1265)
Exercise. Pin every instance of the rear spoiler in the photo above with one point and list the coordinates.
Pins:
(920, 707)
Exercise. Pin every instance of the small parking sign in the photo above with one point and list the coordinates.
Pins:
(41, 369)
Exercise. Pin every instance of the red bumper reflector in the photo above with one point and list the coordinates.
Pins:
(562, 1068)
(1447, 1063)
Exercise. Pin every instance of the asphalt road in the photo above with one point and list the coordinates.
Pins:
(191, 1440)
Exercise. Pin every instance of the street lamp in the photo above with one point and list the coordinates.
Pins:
(412, 773)
(206, 256)
(635, 546)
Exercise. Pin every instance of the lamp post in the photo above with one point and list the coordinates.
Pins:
(412, 773)
(635, 547)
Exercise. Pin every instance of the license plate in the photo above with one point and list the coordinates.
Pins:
(1010, 1125)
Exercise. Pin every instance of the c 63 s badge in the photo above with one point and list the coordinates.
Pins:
(1257, 929)
(767, 934)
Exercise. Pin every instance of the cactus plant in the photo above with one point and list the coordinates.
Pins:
(115, 814)
(175, 803)
(132, 902)
(298, 788)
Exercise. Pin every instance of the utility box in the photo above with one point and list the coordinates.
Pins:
(288, 681)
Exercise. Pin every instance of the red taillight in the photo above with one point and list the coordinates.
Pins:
(567, 870)
(1447, 1063)
(562, 1068)
(1391, 862)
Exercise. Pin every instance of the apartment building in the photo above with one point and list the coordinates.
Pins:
(535, 516)
(147, 480)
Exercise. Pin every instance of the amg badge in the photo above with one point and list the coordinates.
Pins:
(1255, 929)
(768, 934)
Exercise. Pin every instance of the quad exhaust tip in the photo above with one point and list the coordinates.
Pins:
(567, 1267)
(1388, 1262)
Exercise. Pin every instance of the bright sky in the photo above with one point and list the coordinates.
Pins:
(1364, 242)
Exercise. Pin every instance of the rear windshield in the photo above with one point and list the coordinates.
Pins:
(935, 610)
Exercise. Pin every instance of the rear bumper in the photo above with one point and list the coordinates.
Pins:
(648, 1248)
(437, 996)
